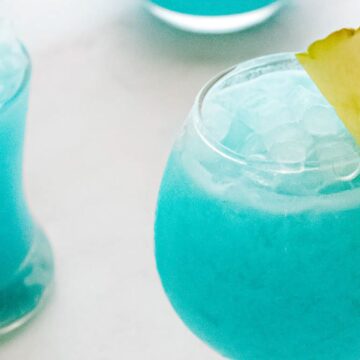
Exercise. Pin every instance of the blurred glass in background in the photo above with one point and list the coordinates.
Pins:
(214, 16)
(26, 264)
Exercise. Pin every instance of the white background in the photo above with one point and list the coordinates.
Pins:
(111, 88)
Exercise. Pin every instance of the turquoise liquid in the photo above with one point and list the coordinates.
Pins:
(212, 7)
(259, 285)
(15, 222)
(26, 266)
(256, 271)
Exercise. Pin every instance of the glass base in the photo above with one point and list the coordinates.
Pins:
(27, 292)
(214, 24)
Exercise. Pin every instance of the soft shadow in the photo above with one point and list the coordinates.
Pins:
(159, 39)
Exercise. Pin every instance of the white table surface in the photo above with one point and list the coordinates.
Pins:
(111, 88)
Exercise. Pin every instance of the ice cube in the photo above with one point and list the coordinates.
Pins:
(241, 97)
(217, 120)
(267, 116)
(321, 121)
(340, 160)
(258, 108)
(254, 99)
(288, 152)
(310, 182)
(236, 97)
(254, 148)
(7, 35)
(302, 183)
(301, 98)
(12, 54)
(280, 83)
(288, 133)
(13, 62)
(237, 135)
(305, 97)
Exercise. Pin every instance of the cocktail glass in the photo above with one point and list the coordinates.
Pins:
(257, 226)
(26, 264)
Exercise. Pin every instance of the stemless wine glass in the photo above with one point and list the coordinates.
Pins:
(26, 265)
(218, 16)
(257, 226)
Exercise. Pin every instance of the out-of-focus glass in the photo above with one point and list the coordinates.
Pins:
(214, 16)
(26, 264)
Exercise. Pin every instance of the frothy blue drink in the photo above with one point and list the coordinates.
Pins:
(214, 16)
(25, 257)
(257, 225)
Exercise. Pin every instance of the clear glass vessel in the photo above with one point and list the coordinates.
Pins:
(219, 16)
(26, 263)
(260, 255)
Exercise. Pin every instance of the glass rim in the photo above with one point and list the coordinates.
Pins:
(227, 153)
(24, 82)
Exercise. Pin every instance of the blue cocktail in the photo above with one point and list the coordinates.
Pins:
(214, 16)
(25, 258)
(257, 227)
